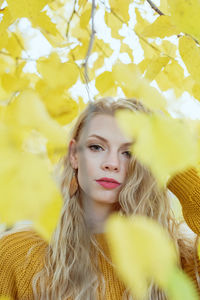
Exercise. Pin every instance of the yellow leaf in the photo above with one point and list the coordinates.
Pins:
(26, 9)
(161, 27)
(181, 287)
(121, 9)
(82, 3)
(81, 103)
(144, 64)
(105, 84)
(80, 51)
(34, 142)
(175, 73)
(129, 79)
(57, 74)
(114, 24)
(188, 84)
(146, 252)
(16, 81)
(15, 45)
(4, 96)
(8, 64)
(76, 30)
(172, 144)
(168, 48)
(97, 64)
(172, 76)
(125, 48)
(60, 106)
(27, 190)
(85, 15)
(150, 51)
(164, 7)
(28, 112)
(163, 81)
(11, 83)
(196, 91)
(141, 22)
(82, 35)
(31, 10)
(7, 20)
(102, 47)
(46, 25)
(32, 113)
(8, 67)
(155, 67)
(46, 222)
(5, 298)
(185, 16)
(188, 51)
(142, 251)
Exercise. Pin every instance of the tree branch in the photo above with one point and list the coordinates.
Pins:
(90, 47)
(155, 8)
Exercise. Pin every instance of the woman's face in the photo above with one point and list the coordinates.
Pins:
(101, 156)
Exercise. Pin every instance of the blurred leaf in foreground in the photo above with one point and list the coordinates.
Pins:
(28, 191)
(146, 253)
(29, 113)
(172, 143)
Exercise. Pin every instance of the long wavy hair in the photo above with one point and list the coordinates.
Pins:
(71, 269)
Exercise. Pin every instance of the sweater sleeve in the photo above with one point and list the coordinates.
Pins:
(7, 273)
(17, 267)
(186, 186)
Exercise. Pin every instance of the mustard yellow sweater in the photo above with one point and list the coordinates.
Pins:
(22, 253)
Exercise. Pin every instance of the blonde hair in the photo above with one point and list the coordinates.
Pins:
(71, 268)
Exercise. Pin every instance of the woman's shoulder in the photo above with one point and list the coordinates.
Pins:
(17, 244)
(27, 236)
(22, 254)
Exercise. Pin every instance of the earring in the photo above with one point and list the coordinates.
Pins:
(73, 185)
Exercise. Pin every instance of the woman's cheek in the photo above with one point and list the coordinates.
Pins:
(87, 164)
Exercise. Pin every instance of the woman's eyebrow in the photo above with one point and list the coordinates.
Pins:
(105, 140)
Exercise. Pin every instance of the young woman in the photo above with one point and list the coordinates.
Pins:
(98, 177)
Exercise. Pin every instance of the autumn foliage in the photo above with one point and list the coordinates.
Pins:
(91, 50)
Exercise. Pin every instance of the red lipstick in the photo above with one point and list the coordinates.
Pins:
(108, 183)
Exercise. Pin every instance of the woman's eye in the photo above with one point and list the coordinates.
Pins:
(128, 153)
(95, 147)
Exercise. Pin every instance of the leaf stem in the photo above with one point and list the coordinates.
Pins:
(155, 8)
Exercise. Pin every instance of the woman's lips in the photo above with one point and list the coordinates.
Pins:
(108, 184)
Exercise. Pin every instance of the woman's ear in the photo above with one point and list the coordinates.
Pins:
(73, 155)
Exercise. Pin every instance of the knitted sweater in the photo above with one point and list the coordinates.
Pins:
(22, 253)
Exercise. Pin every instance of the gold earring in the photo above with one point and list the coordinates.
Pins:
(73, 185)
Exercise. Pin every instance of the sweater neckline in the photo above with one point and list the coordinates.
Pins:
(102, 242)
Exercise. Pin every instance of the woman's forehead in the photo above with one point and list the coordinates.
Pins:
(105, 126)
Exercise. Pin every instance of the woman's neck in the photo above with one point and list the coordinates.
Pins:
(96, 214)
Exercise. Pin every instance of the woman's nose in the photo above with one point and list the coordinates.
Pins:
(111, 163)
